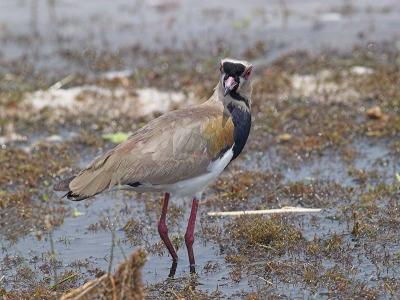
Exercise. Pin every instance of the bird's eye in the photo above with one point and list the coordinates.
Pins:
(247, 73)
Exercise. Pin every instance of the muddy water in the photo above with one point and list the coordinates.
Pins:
(84, 246)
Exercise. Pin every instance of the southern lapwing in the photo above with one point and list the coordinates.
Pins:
(179, 153)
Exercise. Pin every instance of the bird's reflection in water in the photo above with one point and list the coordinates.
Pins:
(174, 265)
(172, 270)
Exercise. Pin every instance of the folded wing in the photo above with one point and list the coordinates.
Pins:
(176, 146)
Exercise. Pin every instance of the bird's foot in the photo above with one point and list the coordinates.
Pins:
(192, 269)
(172, 270)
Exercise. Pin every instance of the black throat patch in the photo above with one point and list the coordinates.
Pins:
(235, 95)
(242, 123)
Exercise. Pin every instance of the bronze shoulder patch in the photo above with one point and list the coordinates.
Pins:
(218, 133)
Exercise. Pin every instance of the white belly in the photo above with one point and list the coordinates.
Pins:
(193, 186)
(196, 185)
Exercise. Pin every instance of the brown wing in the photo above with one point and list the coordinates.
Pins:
(176, 146)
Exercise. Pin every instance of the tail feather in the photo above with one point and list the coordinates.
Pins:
(91, 181)
(63, 185)
(74, 197)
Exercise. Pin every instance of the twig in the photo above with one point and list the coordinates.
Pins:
(266, 247)
(114, 292)
(173, 292)
(286, 209)
(62, 82)
(122, 250)
(267, 281)
(112, 228)
(53, 256)
(69, 277)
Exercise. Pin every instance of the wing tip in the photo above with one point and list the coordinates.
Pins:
(75, 197)
(63, 185)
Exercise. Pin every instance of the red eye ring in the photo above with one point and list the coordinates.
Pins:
(247, 73)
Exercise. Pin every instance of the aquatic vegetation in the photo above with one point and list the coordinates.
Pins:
(269, 233)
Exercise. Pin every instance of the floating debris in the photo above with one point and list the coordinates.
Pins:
(375, 113)
(361, 70)
(117, 74)
(62, 82)
(76, 213)
(285, 137)
(286, 209)
(117, 138)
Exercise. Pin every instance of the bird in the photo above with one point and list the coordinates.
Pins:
(179, 153)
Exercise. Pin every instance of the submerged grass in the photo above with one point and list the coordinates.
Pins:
(263, 232)
(28, 169)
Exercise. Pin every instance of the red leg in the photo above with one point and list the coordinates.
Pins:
(163, 230)
(189, 236)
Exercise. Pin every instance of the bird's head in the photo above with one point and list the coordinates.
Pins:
(235, 79)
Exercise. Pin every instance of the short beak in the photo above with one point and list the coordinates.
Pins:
(229, 84)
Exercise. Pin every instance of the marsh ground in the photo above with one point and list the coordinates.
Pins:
(326, 134)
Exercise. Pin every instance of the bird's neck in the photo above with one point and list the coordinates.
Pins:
(239, 110)
(233, 99)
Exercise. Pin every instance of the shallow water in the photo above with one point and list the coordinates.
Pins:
(76, 245)
(74, 242)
